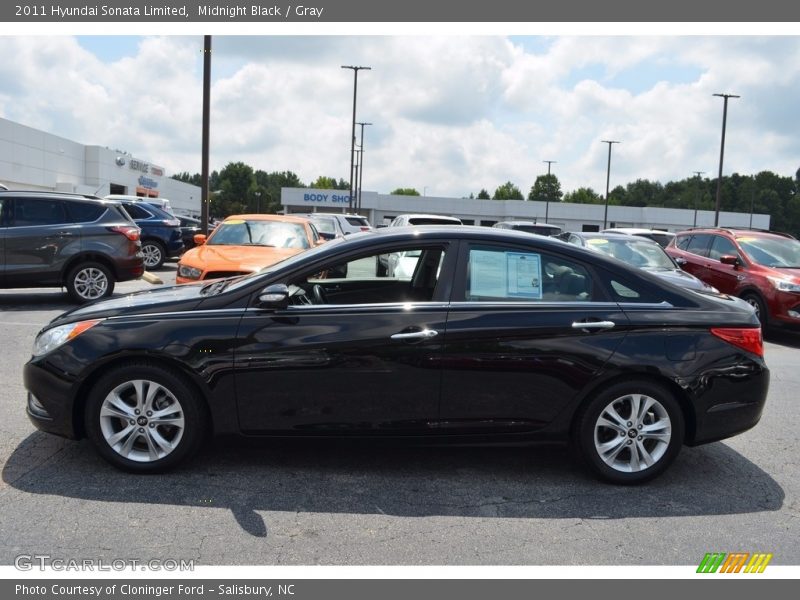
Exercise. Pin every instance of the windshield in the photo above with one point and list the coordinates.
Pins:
(276, 234)
(324, 225)
(638, 253)
(772, 252)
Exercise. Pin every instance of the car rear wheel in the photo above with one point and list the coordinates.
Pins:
(89, 281)
(154, 254)
(144, 418)
(630, 432)
(758, 305)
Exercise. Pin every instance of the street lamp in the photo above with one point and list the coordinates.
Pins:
(608, 178)
(361, 162)
(353, 134)
(549, 191)
(697, 195)
(721, 153)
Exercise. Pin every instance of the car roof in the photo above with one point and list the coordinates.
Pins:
(61, 195)
(612, 235)
(635, 230)
(428, 216)
(263, 217)
(521, 222)
(738, 232)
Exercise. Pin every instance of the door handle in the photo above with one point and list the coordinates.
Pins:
(593, 325)
(416, 335)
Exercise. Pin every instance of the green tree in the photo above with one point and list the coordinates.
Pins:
(546, 188)
(329, 183)
(271, 183)
(405, 192)
(508, 191)
(584, 195)
(484, 195)
(235, 193)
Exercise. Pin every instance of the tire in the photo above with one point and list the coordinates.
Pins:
(89, 281)
(607, 435)
(757, 303)
(154, 254)
(139, 442)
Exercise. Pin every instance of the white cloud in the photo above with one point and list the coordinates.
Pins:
(453, 114)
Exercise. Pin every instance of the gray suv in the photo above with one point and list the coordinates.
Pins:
(82, 243)
(333, 225)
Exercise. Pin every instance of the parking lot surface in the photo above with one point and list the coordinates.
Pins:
(280, 503)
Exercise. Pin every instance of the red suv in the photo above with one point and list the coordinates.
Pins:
(760, 267)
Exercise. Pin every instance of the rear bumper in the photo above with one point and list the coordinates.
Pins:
(128, 269)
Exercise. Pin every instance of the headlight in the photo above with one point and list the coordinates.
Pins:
(782, 285)
(189, 272)
(51, 339)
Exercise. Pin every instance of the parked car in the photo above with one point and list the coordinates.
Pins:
(161, 232)
(640, 252)
(158, 202)
(81, 243)
(333, 225)
(191, 227)
(392, 265)
(498, 336)
(657, 235)
(762, 268)
(530, 227)
(243, 244)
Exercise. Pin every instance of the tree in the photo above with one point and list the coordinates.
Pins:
(237, 185)
(484, 195)
(546, 188)
(329, 183)
(508, 191)
(271, 183)
(584, 195)
(186, 177)
(405, 192)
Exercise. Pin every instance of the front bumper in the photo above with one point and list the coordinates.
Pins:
(55, 396)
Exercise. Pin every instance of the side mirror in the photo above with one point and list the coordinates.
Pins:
(729, 259)
(199, 239)
(274, 296)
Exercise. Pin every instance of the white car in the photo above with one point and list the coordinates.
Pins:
(657, 235)
(398, 264)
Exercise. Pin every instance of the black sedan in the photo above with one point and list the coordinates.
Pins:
(495, 337)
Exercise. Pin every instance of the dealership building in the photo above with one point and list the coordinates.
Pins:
(382, 208)
(31, 159)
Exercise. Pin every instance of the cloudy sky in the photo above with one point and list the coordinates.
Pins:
(450, 114)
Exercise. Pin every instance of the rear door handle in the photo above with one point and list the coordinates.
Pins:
(593, 325)
(416, 335)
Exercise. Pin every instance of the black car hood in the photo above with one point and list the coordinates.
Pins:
(174, 298)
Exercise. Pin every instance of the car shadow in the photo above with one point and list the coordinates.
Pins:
(541, 482)
(51, 299)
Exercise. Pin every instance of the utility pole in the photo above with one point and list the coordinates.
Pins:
(353, 134)
(361, 174)
(206, 120)
(697, 195)
(721, 154)
(549, 191)
(608, 178)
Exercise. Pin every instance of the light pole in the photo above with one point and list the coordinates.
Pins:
(258, 200)
(353, 134)
(697, 195)
(608, 178)
(361, 162)
(549, 191)
(205, 135)
(722, 153)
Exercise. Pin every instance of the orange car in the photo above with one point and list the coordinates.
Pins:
(243, 244)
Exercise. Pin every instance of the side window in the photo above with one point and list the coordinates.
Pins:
(5, 212)
(30, 212)
(721, 246)
(508, 275)
(137, 212)
(699, 244)
(364, 280)
(682, 242)
(84, 212)
(622, 290)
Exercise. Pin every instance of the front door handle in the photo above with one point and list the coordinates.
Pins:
(416, 335)
(593, 325)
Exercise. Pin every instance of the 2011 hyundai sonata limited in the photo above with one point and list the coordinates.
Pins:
(495, 336)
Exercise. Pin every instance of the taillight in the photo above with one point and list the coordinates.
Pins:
(364, 228)
(747, 339)
(129, 231)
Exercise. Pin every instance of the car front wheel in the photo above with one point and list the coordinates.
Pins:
(144, 418)
(630, 432)
(89, 281)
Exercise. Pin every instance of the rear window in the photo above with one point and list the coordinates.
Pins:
(85, 212)
(432, 221)
(357, 221)
(137, 212)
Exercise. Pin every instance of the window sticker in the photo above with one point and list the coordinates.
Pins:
(505, 274)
